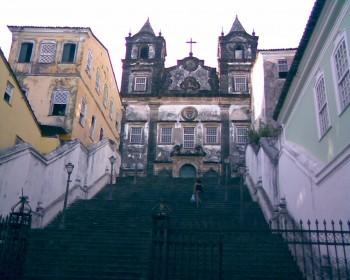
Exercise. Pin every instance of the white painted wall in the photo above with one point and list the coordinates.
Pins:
(311, 190)
(43, 178)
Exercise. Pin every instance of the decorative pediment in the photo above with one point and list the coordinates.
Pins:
(190, 84)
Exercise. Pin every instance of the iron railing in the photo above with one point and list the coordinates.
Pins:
(14, 230)
(320, 249)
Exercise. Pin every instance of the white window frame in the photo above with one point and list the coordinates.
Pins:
(241, 135)
(343, 102)
(211, 139)
(140, 84)
(46, 57)
(321, 105)
(8, 92)
(165, 137)
(189, 139)
(89, 61)
(83, 112)
(58, 102)
(136, 135)
(105, 96)
(238, 84)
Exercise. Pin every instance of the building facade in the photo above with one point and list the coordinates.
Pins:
(69, 81)
(17, 120)
(186, 120)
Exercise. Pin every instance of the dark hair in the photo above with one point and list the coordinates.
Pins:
(198, 180)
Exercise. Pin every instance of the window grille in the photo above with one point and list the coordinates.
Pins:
(240, 83)
(105, 96)
(47, 52)
(98, 81)
(8, 92)
(59, 102)
(189, 138)
(136, 135)
(322, 106)
(89, 62)
(242, 135)
(211, 135)
(282, 68)
(342, 73)
(140, 84)
(165, 135)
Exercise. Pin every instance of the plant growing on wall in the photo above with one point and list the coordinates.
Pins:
(254, 136)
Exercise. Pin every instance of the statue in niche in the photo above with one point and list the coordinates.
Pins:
(151, 51)
(134, 52)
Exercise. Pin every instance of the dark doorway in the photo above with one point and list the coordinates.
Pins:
(188, 171)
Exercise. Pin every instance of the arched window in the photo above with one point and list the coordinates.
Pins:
(144, 52)
(239, 52)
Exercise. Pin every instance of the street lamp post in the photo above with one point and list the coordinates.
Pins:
(69, 168)
(112, 160)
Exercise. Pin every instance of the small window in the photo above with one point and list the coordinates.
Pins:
(189, 137)
(282, 68)
(136, 135)
(92, 126)
(166, 135)
(341, 64)
(98, 81)
(242, 135)
(89, 63)
(83, 111)
(105, 96)
(239, 53)
(140, 84)
(47, 52)
(59, 102)
(211, 136)
(25, 53)
(322, 106)
(144, 52)
(8, 93)
(240, 83)
(68, 55)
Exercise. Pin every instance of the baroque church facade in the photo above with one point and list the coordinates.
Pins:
(189, 119)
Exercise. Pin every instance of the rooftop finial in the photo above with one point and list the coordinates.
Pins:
(147, 28)
(237, 26)
(129, 32)
(253, 33)
(222, 31)
(160, 33)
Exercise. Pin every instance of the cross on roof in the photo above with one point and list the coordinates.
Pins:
(191, 43)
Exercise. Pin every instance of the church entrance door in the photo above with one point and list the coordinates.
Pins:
(188, 171)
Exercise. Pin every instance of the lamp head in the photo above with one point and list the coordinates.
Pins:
(69, 168)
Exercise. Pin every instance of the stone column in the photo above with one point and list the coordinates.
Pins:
(152, 138)
(225, 136)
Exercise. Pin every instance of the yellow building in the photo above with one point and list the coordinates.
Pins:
(17, 121)
(69, 81)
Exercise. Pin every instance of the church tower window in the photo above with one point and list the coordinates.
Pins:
(165, 135)
(240, 83)
(140, 84)
(189, 137)
(144, 52)
(136, 135)
(239, 52)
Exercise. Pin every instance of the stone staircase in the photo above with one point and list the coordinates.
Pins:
(109, 236)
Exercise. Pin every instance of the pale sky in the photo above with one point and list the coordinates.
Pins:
(278, 23)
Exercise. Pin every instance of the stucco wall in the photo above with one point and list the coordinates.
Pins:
(43, 178)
